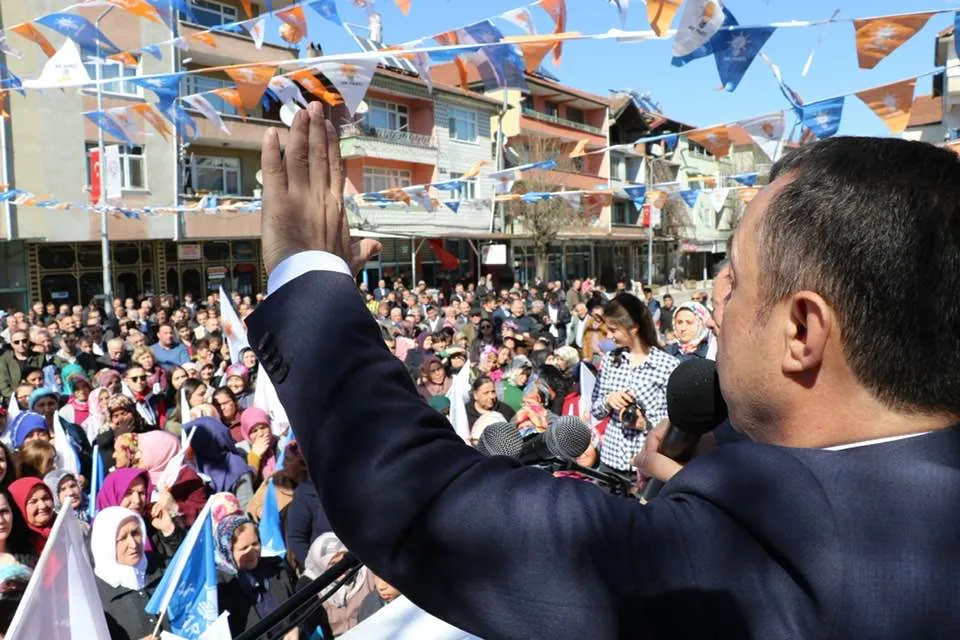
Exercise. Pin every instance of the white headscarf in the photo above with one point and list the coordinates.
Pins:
(319, 559)
(96, 420)
(103, 543)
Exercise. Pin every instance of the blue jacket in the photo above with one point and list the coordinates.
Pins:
(172, 357)
(748, 541)
(306, 521)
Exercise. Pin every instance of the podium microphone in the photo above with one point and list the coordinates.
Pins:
(695, 406)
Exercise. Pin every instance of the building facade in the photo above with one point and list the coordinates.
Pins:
(935, 118)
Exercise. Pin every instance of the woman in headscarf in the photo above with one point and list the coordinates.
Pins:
(109, 379)
(66, 491)
(343, 607)
(35, 502)
(237, 379)
(14, 535)
(285, 483)
(131, 488)
(249, 359)
(178, 375)
(27, 426)
(152, 451)
(46, 401)
(126, 579)
(691, 327)
(517, 377)
(77, 386)
(434, 380)
(193, 393)
(122, 417)
(251, 586)
(258, 442)
(218, 458)
(229, 409)
(97, 420)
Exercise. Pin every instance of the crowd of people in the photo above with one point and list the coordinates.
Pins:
(123, 385)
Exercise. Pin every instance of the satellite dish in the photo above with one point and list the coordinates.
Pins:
(259, 177)
(362, 107)
(287, 112)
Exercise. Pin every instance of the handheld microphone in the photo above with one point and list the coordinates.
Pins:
(500, 439)
(694, 406)
(565, 440)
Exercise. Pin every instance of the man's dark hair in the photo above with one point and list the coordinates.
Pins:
(867, 223)
(647, 290)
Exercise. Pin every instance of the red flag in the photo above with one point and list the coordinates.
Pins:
(449, 261)
(95, 176)
(645, 217)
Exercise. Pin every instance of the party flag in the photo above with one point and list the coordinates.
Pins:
(746, 179)
(251, 82)
(767, 132)
(879, 37)
(205, 37)
(313, 85)
(139, 8)
(474, 171)
(747, 194)
(822, 118)
(247, 8)
(233, 328)
(453, 205)
(165, 9)
(580, 149)
(690, 196)
(404, 6)
(351, 78)
(327, 9)
(153, 50)
(534, 53)
(166, 87)
(203, 105)
(660, 13)
(286, 91)
(6, 49)
(66, 454)
(572, 198)
(97, 475)
(956, 30)
(186, 125)
(623, 6)
(30, 32)
(149, 113)
(104, 121)
(256, 27)
(231, 96)
(522, 18)
(716, 140)
(265, 397)
(61, 600)
(637, 193)
(296, 23)
(707, 47)
(187, 593)
(557, 10)
(80, 30)
(499, 67)
(125, 57)
(735, 49)
(271, 530)
(700, 21)
(891, 102)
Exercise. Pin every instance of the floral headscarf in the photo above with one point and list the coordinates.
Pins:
(703, 331)
(224, 536)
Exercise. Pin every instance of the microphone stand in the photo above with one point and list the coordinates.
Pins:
(617, 486)
(336, 575)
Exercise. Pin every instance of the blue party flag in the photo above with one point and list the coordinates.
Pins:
(187, 593)
(9, 80)
(453, 205)
(956, 30)
(707, 48)
(271, 533)
(106, 122)
(285, 441)
(735, 49)
(153, 50)
(327, 9)
(80, 30)
(186, 126)
(822, 118)
(167, 88)
(96, 481)
(637, 193)
(690, 196)
(746, 179)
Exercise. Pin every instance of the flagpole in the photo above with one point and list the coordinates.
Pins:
(104, 227)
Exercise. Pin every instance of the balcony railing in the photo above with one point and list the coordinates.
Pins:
(388, 135)
(563, 122)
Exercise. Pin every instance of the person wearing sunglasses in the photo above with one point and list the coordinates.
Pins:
(14, 362)
(151, 408)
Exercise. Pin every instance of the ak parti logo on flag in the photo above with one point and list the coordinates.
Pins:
(349, 72)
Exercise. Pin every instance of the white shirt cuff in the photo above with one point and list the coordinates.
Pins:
(298, 264)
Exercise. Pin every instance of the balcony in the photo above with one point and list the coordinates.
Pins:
(357, 141)
(230, 48)
(562, 122)
(244, 134)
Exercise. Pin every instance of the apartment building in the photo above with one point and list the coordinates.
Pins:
(935, 118)
(407, 136)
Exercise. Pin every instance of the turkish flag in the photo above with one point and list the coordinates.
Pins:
(95, 176)
(449, 261)
(645, 217)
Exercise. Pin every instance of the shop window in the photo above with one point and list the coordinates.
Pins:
(245, 279)
(146, 253)
(193, 282)
(244, 250)
(91, 284)
(89, 255)
(170, 250)
(173, 282)
(128, 285)
(215, 251)
(126, 253)
(148, 281)
(62, 289)
(55, 256)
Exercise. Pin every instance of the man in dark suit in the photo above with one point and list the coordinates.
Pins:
(783, 537)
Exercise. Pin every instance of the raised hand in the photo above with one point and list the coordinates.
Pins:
(303, 194)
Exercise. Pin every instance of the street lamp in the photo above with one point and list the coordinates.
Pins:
(104, 232)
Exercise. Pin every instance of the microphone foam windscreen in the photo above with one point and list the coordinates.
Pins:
(694, 402)
(500, 439)
(568, 438)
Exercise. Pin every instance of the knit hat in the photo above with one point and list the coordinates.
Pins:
(24, 424)
(237, 369)
(41, 393)
(439, 403)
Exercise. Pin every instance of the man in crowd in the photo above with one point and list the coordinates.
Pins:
(167, 351)
(14, 361)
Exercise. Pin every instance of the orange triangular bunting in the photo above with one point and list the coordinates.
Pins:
(891, 102)
(879, 37)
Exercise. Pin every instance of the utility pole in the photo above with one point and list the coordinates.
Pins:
(104, 230)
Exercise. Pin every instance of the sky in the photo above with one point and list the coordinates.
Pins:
(690, 94)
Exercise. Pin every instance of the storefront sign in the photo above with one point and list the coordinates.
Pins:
(493, 254)
(188, 251)
(216, 273)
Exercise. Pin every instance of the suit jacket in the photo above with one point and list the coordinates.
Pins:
(748, 541)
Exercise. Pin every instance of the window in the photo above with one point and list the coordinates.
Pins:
(462, 124)
(379, 179)
(625, 213)
(551, 109)
(387, 115)
(466, 188)
(215, 174)
(133, 168)
(114, 69)
(212, 14)
(574, 115)
(200, 84)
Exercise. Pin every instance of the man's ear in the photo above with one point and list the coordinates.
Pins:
(807, 328)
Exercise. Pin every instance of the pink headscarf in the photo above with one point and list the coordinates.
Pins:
(157, 448)
(250, 418)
